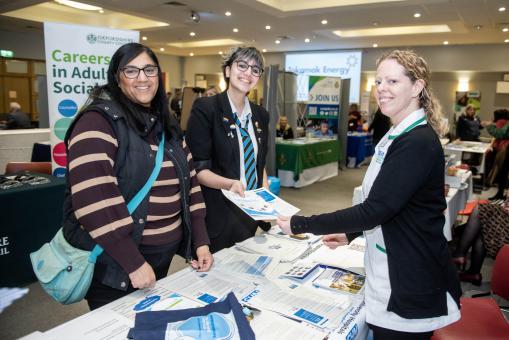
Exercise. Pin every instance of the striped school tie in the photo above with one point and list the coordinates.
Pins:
(249, 157)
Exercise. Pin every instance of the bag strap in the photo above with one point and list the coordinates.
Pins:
(140, 195)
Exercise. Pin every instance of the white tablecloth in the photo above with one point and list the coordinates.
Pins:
(308, 176)
(114, 320)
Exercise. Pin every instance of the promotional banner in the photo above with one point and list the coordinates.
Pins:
(346, 65)
(77, 59)
(323, 97)
(464, 98)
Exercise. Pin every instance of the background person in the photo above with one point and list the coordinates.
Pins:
(486, 231)
(354, 118)
(228, 138)
(412, 287)
(324, 130)
(283, 129)
(176, 104)
(17, 119)
(380, 125)
(212, 90)
(469, 125)
(503, 172)
(111, 150)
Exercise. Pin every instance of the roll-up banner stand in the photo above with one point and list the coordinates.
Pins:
(77, 59)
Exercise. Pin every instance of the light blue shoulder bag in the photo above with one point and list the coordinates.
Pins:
(66, 272)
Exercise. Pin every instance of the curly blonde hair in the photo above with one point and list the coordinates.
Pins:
(417, 68)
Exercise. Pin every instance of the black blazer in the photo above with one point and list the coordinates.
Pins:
(212, 139)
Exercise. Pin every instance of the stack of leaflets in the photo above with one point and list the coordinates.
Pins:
(288, 250)
(340, 280)
(261, 205)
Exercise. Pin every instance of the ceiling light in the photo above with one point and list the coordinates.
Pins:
(307, 40)
(195, 17)
(478, 27)
(501, 9)
(375, 23)
(375, 45)
(417, 15)
(161, 49)
(192, 34)
(265, 50)
(78, 5)
(101, 11)
(227, 13)
(143, 38)
(267, 27)
(446, 42)
(398, 30)
(235, 30)
(277, 41)
(324, 22)
(505, 29)
(220, 52)
(191, 54)
(506, 41)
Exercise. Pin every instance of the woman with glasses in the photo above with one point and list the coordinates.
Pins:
(111, 149)
(227, 135)
(411, 284)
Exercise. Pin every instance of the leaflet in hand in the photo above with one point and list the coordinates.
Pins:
(340, 280)
(261, 205)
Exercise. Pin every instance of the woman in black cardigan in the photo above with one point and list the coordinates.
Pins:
(217, 136)
(411, 285)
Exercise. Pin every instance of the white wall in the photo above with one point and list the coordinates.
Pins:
(24, 45)
(172, 65)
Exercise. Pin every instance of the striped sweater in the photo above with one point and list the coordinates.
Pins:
(102, 211)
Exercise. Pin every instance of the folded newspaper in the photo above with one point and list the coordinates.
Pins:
(260, 204)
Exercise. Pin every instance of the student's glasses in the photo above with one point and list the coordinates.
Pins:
(243, 67)
(133, 72)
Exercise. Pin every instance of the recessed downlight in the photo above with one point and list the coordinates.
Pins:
(324, 22)
(417, 15)
(446, 42)
(192, 34)
(375, 45)
(235, 30)
(143, 38)
(307, 40)
(264, 50)
(228, 13)
(161, 49)
(277, 41)
(191, 54)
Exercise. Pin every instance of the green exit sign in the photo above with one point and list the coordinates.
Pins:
(6, 53)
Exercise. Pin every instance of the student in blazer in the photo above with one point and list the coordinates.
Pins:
(217, 144)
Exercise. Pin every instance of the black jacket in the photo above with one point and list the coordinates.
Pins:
(407, 200)
(212, 139)
(134, 163)
(468, 129)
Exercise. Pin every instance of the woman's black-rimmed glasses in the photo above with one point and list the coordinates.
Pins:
(243, 66)
(133, 72)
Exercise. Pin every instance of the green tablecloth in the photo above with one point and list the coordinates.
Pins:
(296, 157)
(31, 215)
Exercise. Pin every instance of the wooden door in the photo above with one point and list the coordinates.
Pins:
(16, 89)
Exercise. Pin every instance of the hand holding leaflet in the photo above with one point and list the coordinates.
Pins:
(260, 204)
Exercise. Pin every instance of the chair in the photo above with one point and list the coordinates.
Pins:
(481, 318)
(37, 167)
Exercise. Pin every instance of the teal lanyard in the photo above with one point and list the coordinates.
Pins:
(414, 124)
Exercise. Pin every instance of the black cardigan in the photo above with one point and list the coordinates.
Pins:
(407, 200)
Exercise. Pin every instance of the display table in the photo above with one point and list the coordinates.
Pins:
(460, 192)
(31, 215)
(458, 148)
(301, 162)
(359, 146)
(176, 291)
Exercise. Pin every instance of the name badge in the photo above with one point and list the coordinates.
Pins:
(380, 157)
